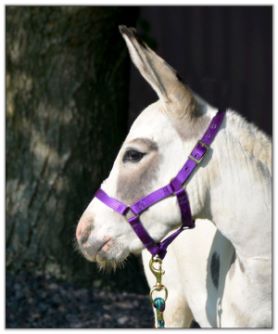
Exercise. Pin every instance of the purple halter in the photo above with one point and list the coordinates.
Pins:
(173, 188)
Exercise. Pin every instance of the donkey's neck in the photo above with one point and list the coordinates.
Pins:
(254, 142)
(236, 183)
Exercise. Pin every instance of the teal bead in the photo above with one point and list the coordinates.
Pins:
(161, 323)
(159, 303)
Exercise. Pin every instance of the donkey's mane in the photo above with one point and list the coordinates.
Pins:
(254, 142)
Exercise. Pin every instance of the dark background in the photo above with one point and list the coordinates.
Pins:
(223, 52)
(72, 94)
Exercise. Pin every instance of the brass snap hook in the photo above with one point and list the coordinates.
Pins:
(156, 268)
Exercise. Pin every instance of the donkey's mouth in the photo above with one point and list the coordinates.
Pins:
(111, 254)
(106, 252)
(104, 248)
(91, 249)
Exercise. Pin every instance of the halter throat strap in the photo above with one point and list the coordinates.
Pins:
(175, 187)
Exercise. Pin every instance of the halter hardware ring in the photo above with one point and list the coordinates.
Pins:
(198, 161)
(159, 289)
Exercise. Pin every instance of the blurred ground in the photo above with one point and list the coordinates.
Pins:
(44, 302)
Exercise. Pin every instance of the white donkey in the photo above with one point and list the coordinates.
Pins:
(218, 273)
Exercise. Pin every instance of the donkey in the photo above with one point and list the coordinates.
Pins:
(220, 272)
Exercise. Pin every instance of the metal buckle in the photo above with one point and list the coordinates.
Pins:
(198, 161)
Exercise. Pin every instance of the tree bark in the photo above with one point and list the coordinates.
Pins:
(67, 104)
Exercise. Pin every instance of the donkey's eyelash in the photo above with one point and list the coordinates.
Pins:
(133, 155)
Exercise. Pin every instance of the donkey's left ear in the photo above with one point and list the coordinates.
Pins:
(161, 76)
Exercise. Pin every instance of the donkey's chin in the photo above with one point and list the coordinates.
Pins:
(109, 258)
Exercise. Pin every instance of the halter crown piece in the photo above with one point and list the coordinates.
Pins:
(173, 188)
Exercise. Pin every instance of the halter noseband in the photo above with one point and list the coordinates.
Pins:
(173, 188)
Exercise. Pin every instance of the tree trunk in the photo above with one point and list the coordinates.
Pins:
(67, 103)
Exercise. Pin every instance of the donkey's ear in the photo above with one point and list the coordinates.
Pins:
(161, 76)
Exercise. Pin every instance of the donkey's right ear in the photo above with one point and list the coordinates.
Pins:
(161, 76)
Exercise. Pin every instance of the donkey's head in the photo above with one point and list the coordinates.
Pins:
(154, 150)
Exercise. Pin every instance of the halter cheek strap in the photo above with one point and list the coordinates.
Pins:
(175, 187)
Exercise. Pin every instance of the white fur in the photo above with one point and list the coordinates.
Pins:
(232, 189)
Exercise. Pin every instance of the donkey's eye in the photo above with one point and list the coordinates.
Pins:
(133, 155)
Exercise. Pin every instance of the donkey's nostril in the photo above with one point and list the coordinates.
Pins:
(83, 239)
(83, 232)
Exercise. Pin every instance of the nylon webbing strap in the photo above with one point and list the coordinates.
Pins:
(175, 187)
